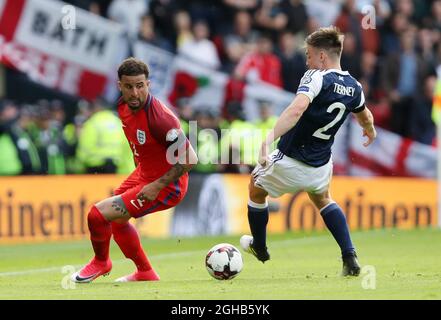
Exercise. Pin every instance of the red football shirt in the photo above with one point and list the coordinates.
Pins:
(150, 131)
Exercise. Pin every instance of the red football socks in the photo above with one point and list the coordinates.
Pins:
(127, 239)
(100, 233)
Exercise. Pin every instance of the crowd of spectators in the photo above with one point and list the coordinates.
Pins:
(392, 47)
(37, 139)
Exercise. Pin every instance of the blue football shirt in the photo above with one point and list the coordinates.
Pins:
(333, 94)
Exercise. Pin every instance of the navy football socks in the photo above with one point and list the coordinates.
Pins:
(258, 219)
(335, 220)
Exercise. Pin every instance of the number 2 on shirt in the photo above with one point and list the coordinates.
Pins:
(336, 105)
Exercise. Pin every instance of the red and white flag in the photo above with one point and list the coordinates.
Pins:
(58, 45)
(389, 155)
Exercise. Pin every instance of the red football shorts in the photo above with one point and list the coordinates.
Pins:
(167, 198)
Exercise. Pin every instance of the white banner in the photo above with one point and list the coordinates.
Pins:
(69, 33)
(60, 46)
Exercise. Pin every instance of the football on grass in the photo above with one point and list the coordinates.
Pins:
(224, 261)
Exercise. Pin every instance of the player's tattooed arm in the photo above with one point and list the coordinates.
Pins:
(174, 173)
(150, 191)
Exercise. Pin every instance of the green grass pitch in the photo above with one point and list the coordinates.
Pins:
(401, 265)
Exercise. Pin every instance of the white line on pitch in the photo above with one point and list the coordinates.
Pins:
(52, 269)
(163, 256)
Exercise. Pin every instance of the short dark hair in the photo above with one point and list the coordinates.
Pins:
(329, 39)
(133, 67)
